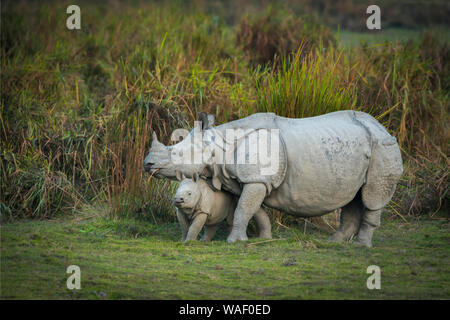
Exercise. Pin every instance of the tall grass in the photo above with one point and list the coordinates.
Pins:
(78, 107)
(306, 86)
(276, 33)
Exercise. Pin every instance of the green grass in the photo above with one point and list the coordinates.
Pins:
(306, 87)
(135, 260)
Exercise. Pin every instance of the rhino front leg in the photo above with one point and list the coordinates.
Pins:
(370, 221)
(210, 231)
(196, 226)
(250, 202)
(263, 223)
(184, 224)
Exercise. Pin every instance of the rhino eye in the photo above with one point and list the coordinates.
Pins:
(189, 193)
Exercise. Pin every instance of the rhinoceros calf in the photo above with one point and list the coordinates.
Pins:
(198, 205)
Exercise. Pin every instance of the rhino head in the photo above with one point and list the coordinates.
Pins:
(186, 156)
(206, 149)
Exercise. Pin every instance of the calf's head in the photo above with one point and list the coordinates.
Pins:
(188, 193)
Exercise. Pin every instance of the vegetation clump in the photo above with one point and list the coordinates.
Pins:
(276, 34)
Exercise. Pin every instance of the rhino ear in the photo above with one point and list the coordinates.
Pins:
(211, 120)
(204, 120)
(207, 120)
(178, 175)
(154, 137)
(195, 177)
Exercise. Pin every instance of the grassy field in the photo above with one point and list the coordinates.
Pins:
(132, 260)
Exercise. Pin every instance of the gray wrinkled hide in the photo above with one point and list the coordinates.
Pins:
(343, 159)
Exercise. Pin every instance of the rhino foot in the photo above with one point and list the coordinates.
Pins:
(337, 237)
(363, 242)
(265, 235)
(370, 221)
(234, 236)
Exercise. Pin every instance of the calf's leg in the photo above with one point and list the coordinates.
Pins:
(196, 226)
(184, 224)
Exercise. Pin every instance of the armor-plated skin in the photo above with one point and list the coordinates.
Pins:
(344, 159)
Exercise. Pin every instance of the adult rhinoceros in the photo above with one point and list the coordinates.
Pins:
(344, 159)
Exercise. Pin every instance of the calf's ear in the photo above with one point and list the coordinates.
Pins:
(195, 177)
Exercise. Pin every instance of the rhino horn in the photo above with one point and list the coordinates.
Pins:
(155, 139)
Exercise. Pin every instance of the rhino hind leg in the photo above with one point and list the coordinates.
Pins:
(350, 220)
(370, 221)
(383, 174)
(210, 231)
(263, 224)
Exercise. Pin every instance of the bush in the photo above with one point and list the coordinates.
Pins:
(31, 191)
(276, 34)
(305, 87)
